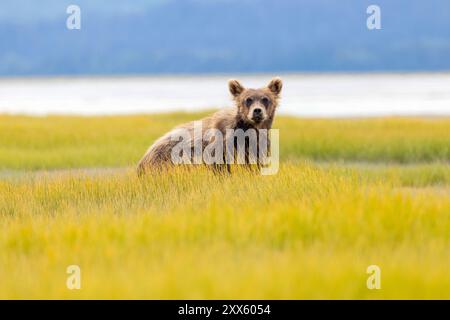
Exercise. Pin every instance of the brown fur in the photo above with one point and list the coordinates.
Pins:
(240, 116)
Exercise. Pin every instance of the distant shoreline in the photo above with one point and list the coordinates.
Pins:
(218, 75)
(311, 95)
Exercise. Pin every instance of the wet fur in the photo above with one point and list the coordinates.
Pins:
(237, 117)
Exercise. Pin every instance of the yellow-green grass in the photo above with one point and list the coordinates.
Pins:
(73, 142)
(309, 231)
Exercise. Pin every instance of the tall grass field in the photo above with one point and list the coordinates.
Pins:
(350, 193)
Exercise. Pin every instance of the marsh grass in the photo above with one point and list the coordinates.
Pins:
(309, 231)
(117, 141)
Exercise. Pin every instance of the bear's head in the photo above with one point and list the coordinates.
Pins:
(256, 106)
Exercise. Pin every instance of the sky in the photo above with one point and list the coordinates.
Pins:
(223, 36)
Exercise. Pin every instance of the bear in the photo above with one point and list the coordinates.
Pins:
(254, 109)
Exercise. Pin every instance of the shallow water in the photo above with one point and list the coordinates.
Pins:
(323, 95)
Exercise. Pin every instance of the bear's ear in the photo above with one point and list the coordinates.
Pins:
(236, 88)
(275, 85)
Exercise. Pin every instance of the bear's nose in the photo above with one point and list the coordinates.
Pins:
(257, 112)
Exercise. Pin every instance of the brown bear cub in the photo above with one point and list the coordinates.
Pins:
(254, 109)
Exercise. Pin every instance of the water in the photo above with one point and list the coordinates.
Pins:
(311, 95)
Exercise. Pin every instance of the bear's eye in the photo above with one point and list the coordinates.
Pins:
(265, 101)
(248, 102)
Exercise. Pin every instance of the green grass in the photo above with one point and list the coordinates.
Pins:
(74, 142)
(349, 194)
